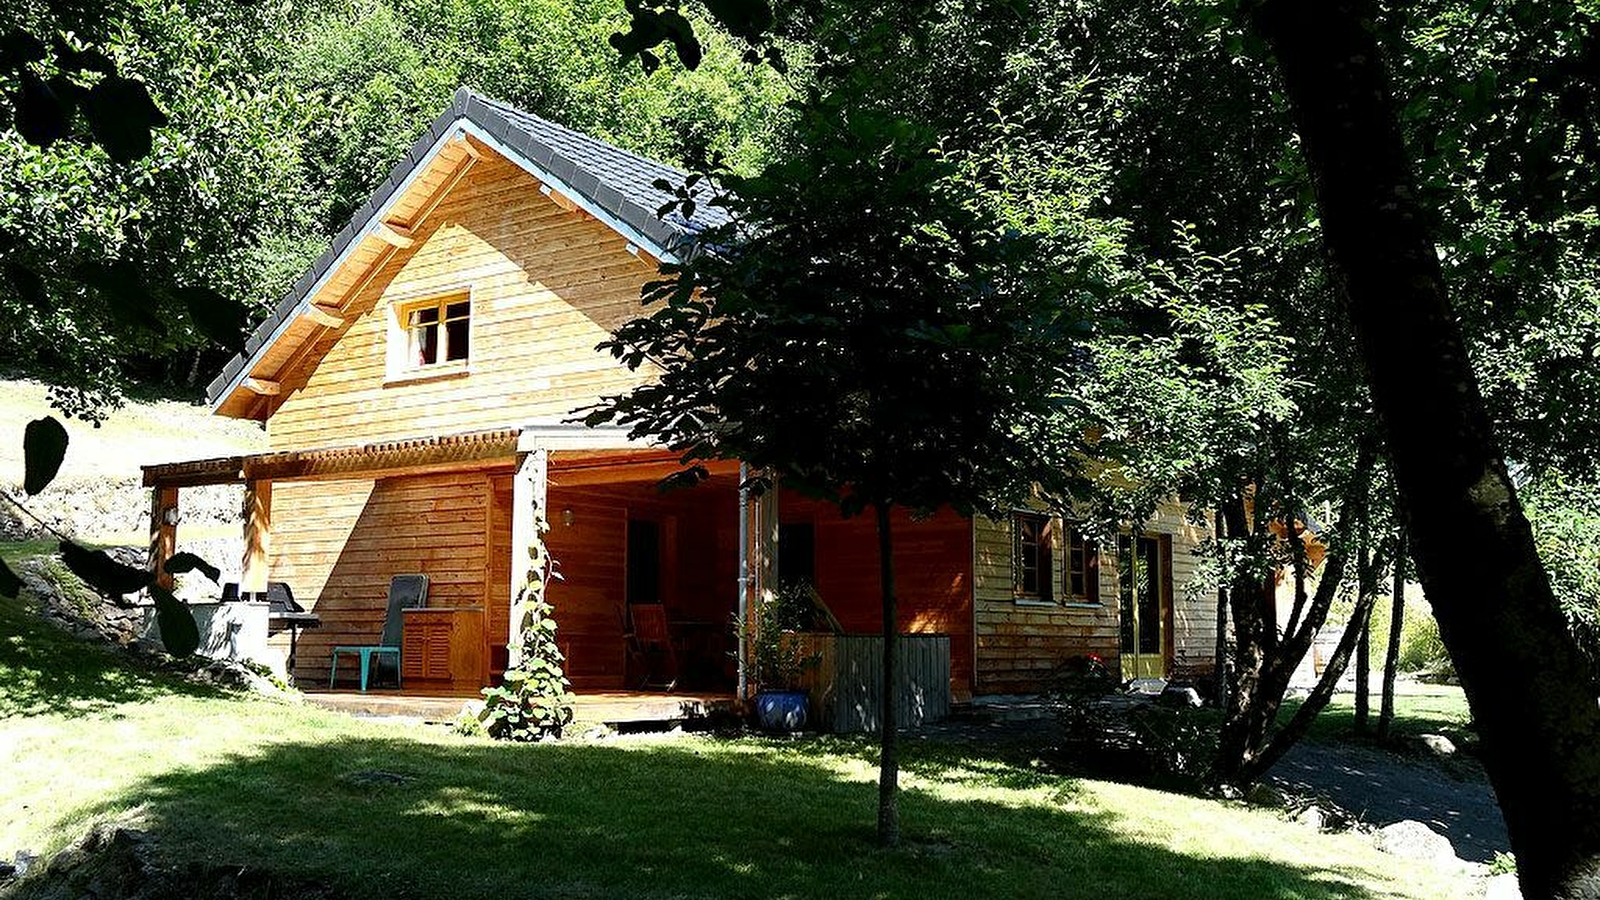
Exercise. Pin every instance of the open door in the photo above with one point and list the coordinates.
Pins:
(1146, 606)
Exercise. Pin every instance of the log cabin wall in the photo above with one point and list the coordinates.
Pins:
(546, 285)
(338, 543)
(933, 575)
(1020, 642)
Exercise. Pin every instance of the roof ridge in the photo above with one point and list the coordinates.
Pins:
(514, 110)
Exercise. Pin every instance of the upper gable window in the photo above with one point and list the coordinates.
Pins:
(429, 336)
(438, 330)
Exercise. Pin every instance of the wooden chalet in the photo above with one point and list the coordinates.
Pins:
(417, 384)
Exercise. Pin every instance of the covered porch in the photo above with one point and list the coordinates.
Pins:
(336, 524)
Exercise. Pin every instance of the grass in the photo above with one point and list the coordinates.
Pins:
(1418, 709)
(141, 432)
(224, 778)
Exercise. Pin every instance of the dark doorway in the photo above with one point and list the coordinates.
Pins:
(644, 562)
(797, 553)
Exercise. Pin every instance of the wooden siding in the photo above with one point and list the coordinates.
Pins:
(337, 544)
(546, 285)
(933, 575)
(1020, 642)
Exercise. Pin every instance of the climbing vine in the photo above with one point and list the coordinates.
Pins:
(534, 700)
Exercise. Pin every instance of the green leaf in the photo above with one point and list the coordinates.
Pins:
(10, 584)
(101, 572)
(179, 563)
(179, 632)
(44, 445)
(122, 115)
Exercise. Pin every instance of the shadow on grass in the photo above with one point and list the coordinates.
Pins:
(44, 671)
(387, 817)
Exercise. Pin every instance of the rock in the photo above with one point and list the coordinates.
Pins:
(1180, 697)
(1438, 745)
(1411, 839)
(1312, 817)
(1264, 794)
(1502, 887)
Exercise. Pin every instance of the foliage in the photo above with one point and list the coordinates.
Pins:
(534, 700)
(1082, 677)
(779, 660)
(1141, 742)
(1565, 515)
(281, 118)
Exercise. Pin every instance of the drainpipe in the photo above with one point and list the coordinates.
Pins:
(744, 578)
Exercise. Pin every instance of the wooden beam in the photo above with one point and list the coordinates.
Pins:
(529, 498)
(559, 198)
(261, 387)
(394, 234)
(257, 535)
(467, 146)
(163, 534)
(326, 316)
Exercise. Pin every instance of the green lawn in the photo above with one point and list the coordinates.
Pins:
(229, 779)
(1418, 708)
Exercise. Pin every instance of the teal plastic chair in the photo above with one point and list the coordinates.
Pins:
(405, 592)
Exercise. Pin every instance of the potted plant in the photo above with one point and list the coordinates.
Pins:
(780, 658)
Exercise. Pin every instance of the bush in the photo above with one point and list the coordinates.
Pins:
(1141, 741)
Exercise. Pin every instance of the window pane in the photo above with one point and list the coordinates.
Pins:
(425, 315)
(1149, 596)
(457, 310)
(456, 339)
(1125, 592)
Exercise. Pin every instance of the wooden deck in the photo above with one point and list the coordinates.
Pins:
(605, 707)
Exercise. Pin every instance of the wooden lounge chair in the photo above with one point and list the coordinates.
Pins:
(650, 639)
(405, 592)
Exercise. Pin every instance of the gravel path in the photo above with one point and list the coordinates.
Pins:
(1381, 788)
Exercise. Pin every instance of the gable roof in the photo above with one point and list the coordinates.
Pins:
(607, 182)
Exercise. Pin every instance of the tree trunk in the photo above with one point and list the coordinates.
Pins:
(1522, 670)
(1258, 764)
(1366, 586)
(888, 753)
(1397, 617)
(1363, 675)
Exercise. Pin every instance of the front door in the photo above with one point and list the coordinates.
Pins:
(1142, 586)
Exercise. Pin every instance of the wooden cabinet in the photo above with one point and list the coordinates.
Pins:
(443, 648)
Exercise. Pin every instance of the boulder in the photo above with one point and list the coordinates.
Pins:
(1312, 817)
(1411, 839)
(1438, 745)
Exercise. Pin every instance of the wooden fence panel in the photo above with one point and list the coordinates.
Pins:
(846, 683)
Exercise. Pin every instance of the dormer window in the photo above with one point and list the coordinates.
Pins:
(438, 330)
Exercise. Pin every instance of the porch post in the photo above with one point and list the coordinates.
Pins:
(163, 531)
(257, 536)
(528, 500)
